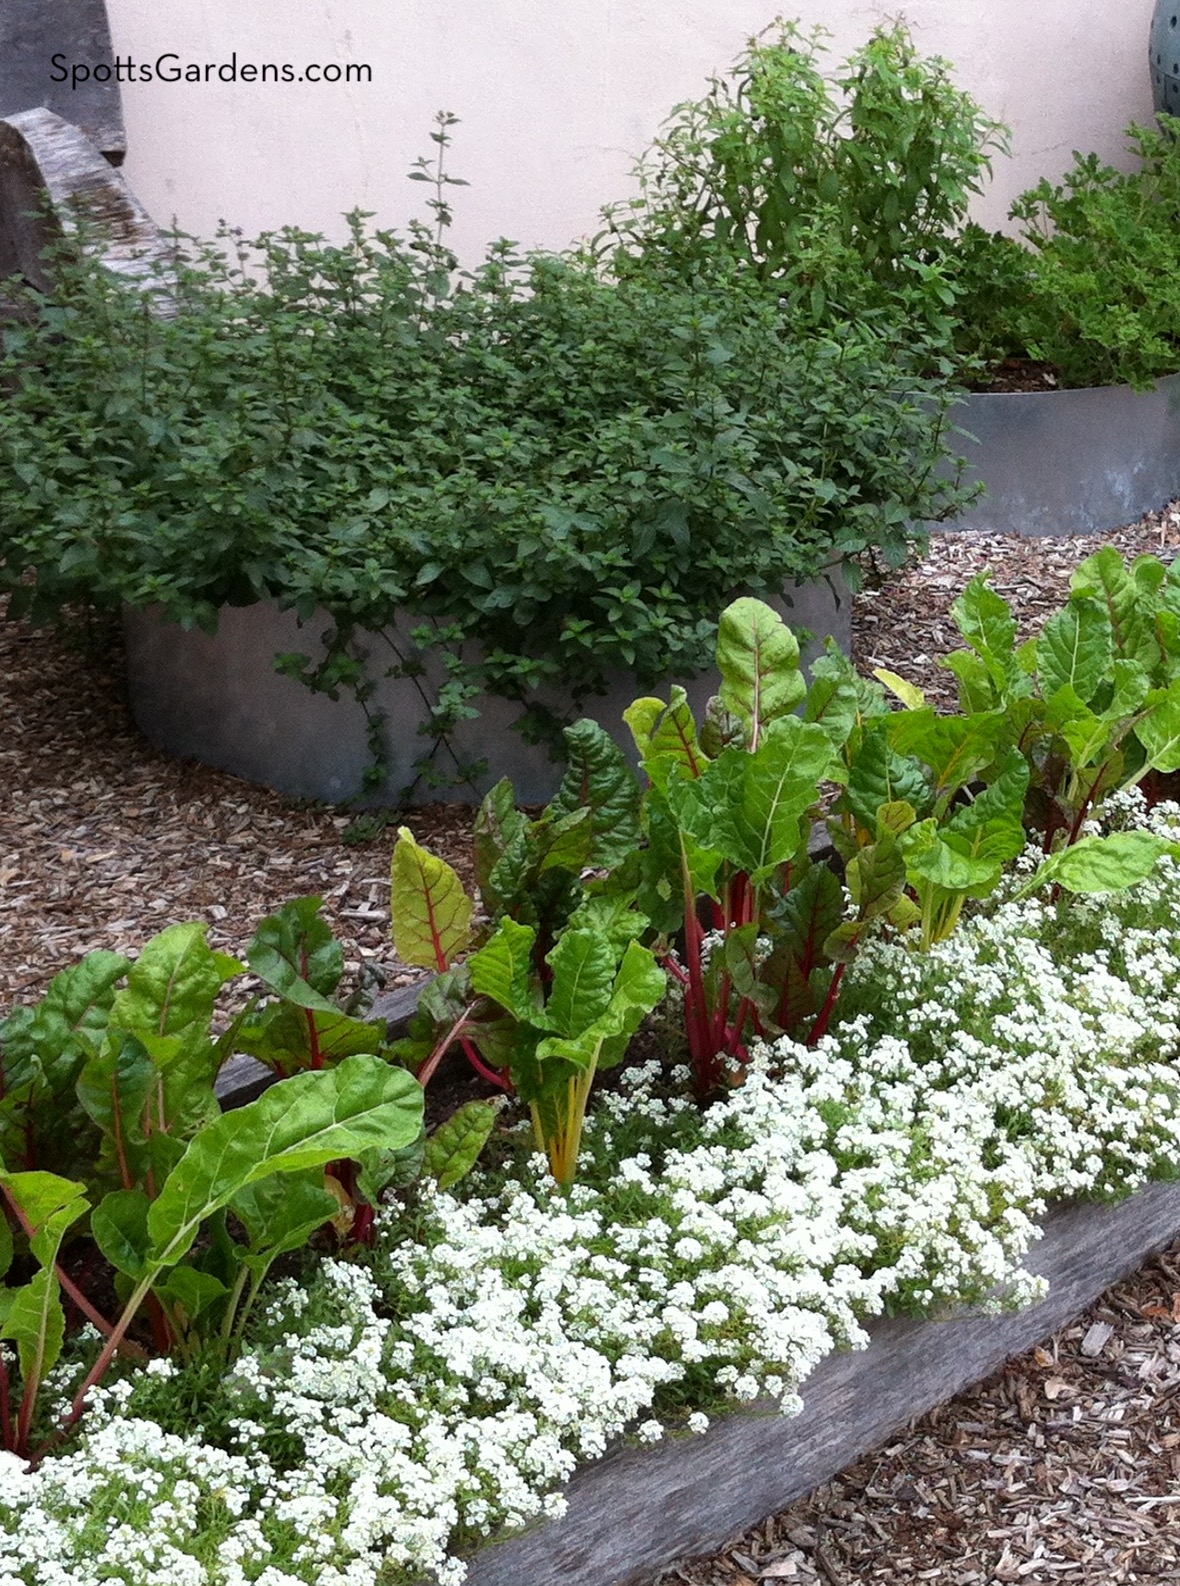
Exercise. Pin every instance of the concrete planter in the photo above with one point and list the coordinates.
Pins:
(1070, 462)
(218, 699)
(640, 1509)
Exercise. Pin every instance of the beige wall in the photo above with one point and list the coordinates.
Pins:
(556, 98)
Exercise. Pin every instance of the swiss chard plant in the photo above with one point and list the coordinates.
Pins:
(1092, 703)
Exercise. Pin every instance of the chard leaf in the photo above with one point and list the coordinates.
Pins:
(612, 916)
(47, 1043)
(1130, 683)
(599, 780)
(503, 969)
(991, 826)
(879, 775)
(498, 825)
(583, 966)
(173, 985)
(636, 989)
(977, 692)
(113, 1087)
(956, 748)
(808, 915)
(758, 658)
(189, 1293)
(453, 1149)
(1158, 729)
(875, 877)
(282, 1213)
(361, 1105)
(119, 1226)
(985, 620)
(32, 1315)
(1076, 648)
(911, 697)
(1105, 577)
(758, 799)
(666, 735)
(42, 1050)
(1088, 737)
(431, 911)
(295, 953)
(832, 704)
(33, 1319)
(50, 1205)
(283, 1037)
(1103, 864)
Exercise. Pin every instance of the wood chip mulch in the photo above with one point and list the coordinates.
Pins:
(1064, 1468)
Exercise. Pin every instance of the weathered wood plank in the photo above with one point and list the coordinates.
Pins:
(639, 1509)
(42, 156)
(32, 32)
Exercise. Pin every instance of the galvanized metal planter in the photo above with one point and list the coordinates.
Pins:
(1070, 462)
(639, 1509)
(218, 699)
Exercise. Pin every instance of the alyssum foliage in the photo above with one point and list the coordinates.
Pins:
(575, 471)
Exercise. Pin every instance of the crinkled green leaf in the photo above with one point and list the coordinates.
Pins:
(599, 780)
(282, 1212)
(289, 1038)
(1105, 577)
(977, 692)
(498, 824)
(583, 966)
(1158, 728)
(956, 748)
(666, 734)
(452, 1150)
(295, 953)
(985, 620)
(119, 1226)
(503, 968)
(880, 775)
(758, 800)
(875, 877)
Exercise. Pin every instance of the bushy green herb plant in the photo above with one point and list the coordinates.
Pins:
(574, 472)
(1093, 290)
(840, 193)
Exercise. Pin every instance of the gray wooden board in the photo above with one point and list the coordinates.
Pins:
(639, 1509)
(32, 32)
(44, 157)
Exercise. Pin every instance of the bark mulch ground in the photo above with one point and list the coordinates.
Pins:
(1063, 1468)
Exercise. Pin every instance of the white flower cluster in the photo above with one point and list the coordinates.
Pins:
(384, 1413)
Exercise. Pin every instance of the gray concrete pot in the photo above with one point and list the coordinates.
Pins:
(1069, 462)
(218, 699)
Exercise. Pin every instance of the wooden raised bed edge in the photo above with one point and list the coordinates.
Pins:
(639, 1509)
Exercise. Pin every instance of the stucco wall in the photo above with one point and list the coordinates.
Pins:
(556, 97)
